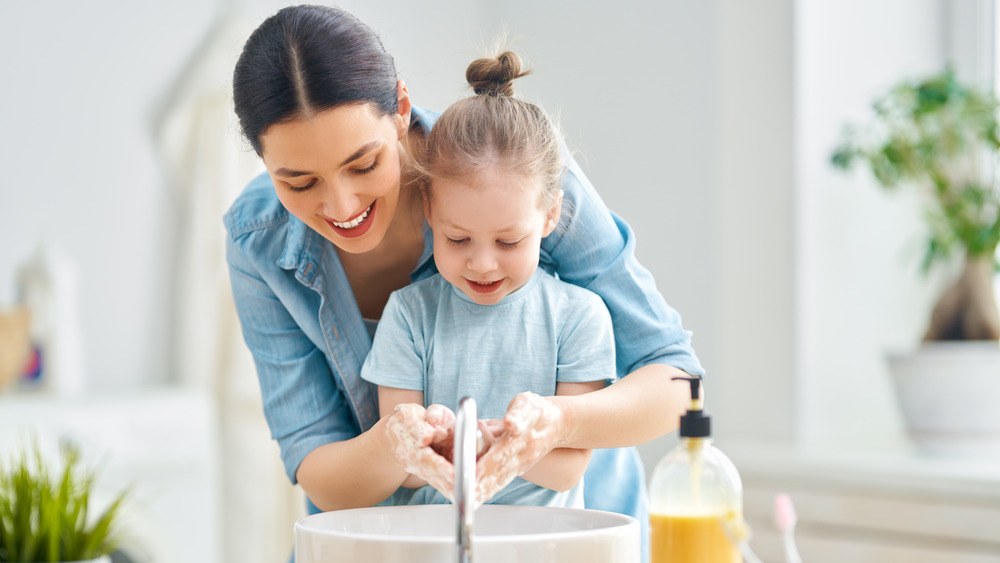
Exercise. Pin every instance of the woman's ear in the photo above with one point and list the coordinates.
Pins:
(402, 118)
(553, 215)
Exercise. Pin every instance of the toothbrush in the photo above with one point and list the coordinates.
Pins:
(738, 533)
(785, 518)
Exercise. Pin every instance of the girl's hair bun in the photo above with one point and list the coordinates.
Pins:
(494, 76)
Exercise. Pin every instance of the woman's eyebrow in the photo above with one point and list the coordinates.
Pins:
(362, 150)
(289, 173)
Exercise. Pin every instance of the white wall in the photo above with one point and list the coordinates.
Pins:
(81, 85)
(861, 295)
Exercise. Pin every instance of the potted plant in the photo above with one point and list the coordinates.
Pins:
(48, 515)
(940, 136)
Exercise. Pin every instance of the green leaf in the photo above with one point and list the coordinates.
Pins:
(941, 138)
(46, 519)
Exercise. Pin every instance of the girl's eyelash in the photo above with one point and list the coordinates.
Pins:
(500, 243)
(302, 188)
(366, 170)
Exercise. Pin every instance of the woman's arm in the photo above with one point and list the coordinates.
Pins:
(595, 249)
(353, 473)
(635, 409)
(308, 413)
(372, 466)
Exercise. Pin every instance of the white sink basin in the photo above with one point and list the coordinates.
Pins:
(501, 534)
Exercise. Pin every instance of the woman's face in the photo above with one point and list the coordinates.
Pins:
(487, 232)
(338, 171)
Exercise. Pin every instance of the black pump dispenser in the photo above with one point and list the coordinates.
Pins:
(695, 423)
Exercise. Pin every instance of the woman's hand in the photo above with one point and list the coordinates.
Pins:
(532, 427)
(422, 439)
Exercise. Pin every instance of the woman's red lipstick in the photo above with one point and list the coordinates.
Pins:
(360, 229)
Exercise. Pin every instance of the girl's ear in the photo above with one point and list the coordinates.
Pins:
(553, 215)
(427, 202)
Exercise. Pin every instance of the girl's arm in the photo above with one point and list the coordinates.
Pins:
(562, 468)
(388, 399)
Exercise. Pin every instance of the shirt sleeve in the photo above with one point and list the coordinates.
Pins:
(586, 342)
(595, 249)
(304, 408)
(394, 360)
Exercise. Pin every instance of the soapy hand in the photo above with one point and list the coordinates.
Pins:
(529, 430)
(422, 440)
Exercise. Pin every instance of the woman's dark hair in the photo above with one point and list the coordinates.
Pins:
(307, 59)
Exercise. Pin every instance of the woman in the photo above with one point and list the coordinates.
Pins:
(317, 243)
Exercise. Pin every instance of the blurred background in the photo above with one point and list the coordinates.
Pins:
(707, 125)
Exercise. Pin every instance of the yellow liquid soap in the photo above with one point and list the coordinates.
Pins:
(690, 539)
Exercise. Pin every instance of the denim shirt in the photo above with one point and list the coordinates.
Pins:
(309, 341)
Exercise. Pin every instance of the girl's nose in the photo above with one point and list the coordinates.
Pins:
(482, 261)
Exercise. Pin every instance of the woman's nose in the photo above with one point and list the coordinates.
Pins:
(340, 202)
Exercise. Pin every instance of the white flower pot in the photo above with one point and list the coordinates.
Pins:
(949, 393)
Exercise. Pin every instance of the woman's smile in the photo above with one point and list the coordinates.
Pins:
(355, 226)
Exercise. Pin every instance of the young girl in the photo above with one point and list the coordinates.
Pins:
(492, 324)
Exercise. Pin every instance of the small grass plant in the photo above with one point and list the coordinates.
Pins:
(47, 511)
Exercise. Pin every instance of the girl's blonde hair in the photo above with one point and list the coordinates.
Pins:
(494, 131)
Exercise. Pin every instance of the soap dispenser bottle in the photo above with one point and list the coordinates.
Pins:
(694, 494)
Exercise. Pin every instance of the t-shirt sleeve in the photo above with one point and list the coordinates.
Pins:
(394, 360)
(586, 342)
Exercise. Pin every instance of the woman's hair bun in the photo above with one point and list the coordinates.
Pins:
(494, 76)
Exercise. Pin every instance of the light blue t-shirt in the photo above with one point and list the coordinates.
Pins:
(433, 338)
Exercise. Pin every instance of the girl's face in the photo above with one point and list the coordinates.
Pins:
(338, 171)
(487, 232)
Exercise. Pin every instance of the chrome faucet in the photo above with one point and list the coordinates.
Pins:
(467, 440)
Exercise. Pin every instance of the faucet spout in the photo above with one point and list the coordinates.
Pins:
(464, 456)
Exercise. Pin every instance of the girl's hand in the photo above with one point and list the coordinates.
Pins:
(531, 428)
(419, 437)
